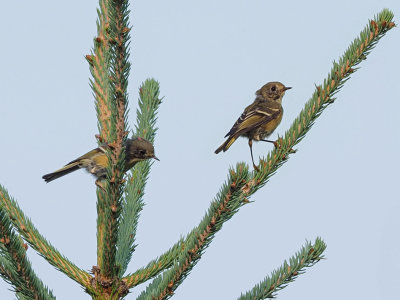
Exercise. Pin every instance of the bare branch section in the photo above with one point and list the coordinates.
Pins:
(236, 192)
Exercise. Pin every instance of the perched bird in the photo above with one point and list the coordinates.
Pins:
(259, 119)
(95, 161)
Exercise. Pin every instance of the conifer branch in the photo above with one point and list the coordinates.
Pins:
(155, 267)
(100, 228)
(236, 192)
(15, 267)
(39, 243)
(322, 98)
(114, 186)
(146, 114)
(21, 296)
(227, 202)
(99, 62)
(149, 102)
(308, 256)
(99, 65)
(117, 69)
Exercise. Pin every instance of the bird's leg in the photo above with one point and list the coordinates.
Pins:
(273, 142)
(277, 144)
(251, 152)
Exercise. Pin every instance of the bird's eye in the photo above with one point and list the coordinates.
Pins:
(273, 88)
(142, 152)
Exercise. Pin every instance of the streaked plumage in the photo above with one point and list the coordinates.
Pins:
(260, 118)
(95, 161)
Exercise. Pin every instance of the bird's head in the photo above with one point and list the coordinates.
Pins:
(138, 149)
(273, 91)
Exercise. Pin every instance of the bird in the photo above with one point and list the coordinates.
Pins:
(259, 119)
(95, 162)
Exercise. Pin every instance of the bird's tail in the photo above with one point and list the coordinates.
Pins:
(225, 146)
(71, 167)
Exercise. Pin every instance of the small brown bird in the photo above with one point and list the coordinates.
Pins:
(95, 161)
(259, 119)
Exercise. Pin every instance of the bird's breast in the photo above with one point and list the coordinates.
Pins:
(97, 165)
(270, 126)
(265, 130)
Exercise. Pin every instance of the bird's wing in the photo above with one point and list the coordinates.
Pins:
(96, 155)
(90, 155)
(253, 117)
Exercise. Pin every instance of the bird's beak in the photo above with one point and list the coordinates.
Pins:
(156, 158)
(287, 88)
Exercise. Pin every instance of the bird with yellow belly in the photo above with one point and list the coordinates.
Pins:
(95, 162)
(259, 119)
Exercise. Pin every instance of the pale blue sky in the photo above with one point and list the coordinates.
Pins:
(210, 57)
